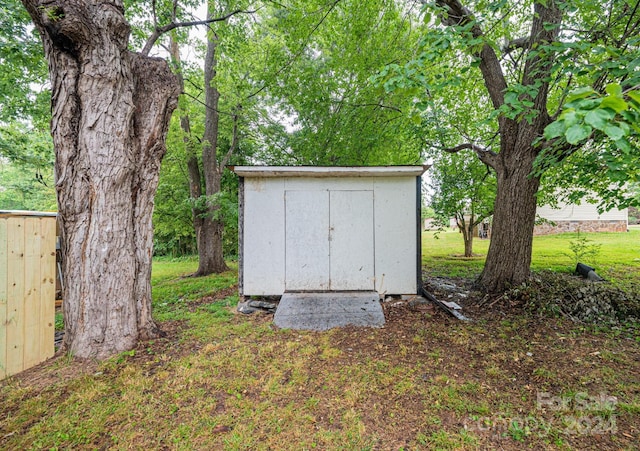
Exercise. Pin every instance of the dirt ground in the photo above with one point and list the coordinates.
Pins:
(545, 372)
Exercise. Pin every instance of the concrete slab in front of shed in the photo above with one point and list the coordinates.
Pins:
(323, 311)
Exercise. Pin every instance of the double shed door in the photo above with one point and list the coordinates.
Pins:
(329, 241)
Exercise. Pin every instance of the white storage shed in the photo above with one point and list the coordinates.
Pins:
(319, 229)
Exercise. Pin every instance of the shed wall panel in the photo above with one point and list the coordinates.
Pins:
(264, 230)
(395, 235)
(329, 183)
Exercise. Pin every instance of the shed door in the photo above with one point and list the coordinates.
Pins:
(306, 240)
(329, 240)
(351, 240)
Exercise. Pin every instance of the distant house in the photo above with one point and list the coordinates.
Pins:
(583, 217)
(429, 224)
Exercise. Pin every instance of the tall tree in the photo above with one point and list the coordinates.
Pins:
(529, 57)
(320, 60)
(464, 189)
(111, 108)
(210, 253)
(205, 169)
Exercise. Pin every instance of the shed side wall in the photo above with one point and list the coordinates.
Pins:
(395, 235)
(263, 247)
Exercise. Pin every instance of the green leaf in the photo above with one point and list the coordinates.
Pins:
(554, 129)
(623, 145)
(635, 95)
(580, 93)
(577, 133)
(569, 117)
(599, 118)
(615, 103)
(614, 89)
(614, 132)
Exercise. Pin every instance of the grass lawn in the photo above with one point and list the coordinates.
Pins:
(220, 380)
(618, 257)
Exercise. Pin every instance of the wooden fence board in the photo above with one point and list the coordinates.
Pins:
(15, 294)
(48, 289)
(31, 312)
(3, 297)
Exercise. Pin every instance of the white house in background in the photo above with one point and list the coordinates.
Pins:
(583, 217)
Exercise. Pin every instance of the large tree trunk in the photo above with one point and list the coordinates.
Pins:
(210, 254)
(111, 109)
(509, 256)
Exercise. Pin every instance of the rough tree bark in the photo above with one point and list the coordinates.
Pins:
(509, 257)
(110, 114)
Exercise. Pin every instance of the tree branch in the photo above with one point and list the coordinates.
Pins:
(518, 43)
(487, 156)
(159, 31)
(537, 68)
(494, 80)
(234, 141)
(375, 105)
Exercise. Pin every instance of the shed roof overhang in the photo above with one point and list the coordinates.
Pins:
(328, 171)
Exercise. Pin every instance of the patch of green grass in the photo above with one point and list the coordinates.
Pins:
(444, 440)
(59, 321)
(617, 260)
(173, 288)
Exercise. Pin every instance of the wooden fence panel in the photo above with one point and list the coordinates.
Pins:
(3, 298)
(27, 291)
(31, 305)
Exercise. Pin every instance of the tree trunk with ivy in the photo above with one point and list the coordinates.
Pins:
(110, 114)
